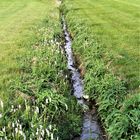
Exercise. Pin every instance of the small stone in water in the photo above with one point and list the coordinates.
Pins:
(86, 97)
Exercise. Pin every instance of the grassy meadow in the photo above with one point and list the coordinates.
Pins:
(17, 20)
(105, 36)
(32, 72)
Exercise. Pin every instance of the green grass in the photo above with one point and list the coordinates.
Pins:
(17, 20)
(105, 37)
(35, 96)
(116, 25)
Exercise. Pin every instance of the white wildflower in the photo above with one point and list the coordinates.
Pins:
(42, 133)
(3, 129)
(66, 106)
(11, 110)
(50, 127)
(42, 105)
(1, 103)
(48, 133)
(50, 99)
(13, 125)
(17, 124)
(40, 138)
(23, 134)
(47, 101)
(32, 125)
(19, 106)
(20, 127)
(52, 136)
(16, 130)
(0, 115)
(52, 41)
(37, 132)
(37, 110)
(12, 134)
(55, 62)
(40, 126)
(57, 43)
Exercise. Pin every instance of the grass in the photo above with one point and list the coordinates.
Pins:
(105, 40)
(115, 24)
(16, 22)
(35, 96)
(33, 102)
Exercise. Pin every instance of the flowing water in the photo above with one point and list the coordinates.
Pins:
(91, 128)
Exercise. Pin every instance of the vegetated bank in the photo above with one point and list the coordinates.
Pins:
(39, 104)
(118, 109)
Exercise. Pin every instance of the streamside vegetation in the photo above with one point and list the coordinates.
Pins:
(35, 93)
(105, 42)
(35, 98)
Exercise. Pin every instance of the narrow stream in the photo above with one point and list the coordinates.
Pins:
(91, 128)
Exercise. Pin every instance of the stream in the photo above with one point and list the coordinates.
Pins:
(91, 129)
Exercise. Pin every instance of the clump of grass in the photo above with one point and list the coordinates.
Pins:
(118, 109)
